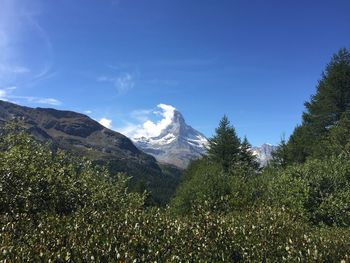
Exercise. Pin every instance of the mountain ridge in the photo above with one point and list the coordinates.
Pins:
(78, 133)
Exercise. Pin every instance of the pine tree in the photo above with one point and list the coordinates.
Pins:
(325, 108)
(224, 146)
(333, 94)
(279, 156)
(339, 135)
(246, 156)
(337, 142)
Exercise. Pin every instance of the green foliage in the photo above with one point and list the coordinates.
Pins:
(224, 145)
(36, 181)
(336, 142)
(333, 94)
(263, 234)
(318, 189)
(55, 207)
(280, 155)
(324, 110)
(223, 179)
(246, 164)
(226, 149)
(203, 182)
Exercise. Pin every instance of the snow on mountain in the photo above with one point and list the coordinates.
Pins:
(177, 143)
(264, 153)
(173, 141)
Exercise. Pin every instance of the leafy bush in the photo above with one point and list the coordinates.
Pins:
(263, 234)
(319, 189)
(56, 208)
(34, 180)
(203, 182)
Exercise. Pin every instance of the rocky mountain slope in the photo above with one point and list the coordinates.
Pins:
(81, 135)
(177, 144)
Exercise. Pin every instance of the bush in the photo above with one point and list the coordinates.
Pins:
(319, 189)
(263, 234)
(55, 208)
(202, 182)
(35, 181)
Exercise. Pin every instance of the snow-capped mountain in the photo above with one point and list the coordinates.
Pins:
(264, 153)
(177, 144)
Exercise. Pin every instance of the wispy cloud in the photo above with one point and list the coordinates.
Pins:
(7, 95)
(39, 100)
(122, 82)
(141, 115)
(6, 69)
(46, 69)
(18, 27)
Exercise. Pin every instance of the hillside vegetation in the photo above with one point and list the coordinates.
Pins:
(80, 135)
(55, 207)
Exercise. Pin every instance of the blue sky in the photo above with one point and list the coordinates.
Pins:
(256, 61)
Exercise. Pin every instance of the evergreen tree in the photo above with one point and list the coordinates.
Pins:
(333, 94)
(224, 146)
(325, 108)
(337, 142)
(279, 156)
(339, 136)
(300, 145)
(246, 156)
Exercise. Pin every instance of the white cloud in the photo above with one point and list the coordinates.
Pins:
(3, 94)
(6, 94)
(123, 82)
(129, 129)
(38, 100)
(149, 128)
(48, 101)
(106, 122)
(88, 112)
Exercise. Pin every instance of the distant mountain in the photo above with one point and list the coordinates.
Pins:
(81, 135)
(177, 144)
(264, 153)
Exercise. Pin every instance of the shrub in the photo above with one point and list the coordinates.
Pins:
(319, 189)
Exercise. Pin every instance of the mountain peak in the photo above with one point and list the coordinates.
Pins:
(177, 143)
(264, 153)
(177, 126)
(178, 118)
